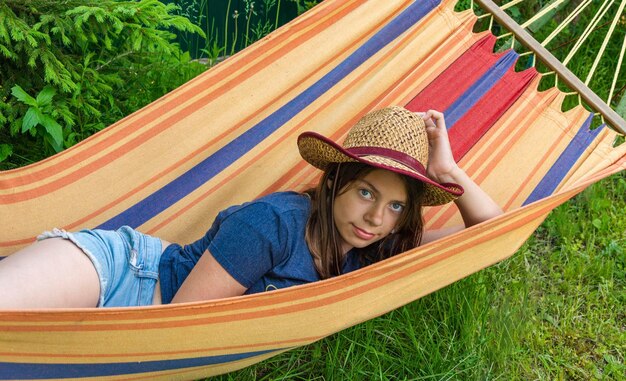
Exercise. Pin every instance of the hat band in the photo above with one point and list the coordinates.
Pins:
(394, 155)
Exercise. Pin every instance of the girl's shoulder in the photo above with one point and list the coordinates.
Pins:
(286, 201)
(276, 206)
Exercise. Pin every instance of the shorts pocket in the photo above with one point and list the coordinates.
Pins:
(145, 283)
(142, 266)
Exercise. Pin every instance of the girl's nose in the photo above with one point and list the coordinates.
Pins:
(375, 214)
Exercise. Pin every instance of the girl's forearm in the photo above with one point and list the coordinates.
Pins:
(475, 204)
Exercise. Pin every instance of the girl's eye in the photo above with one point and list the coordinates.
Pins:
(366, 194)
(396, 207)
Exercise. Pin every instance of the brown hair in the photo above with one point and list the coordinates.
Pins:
(323, 238)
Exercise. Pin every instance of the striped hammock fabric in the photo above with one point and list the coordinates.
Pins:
(229, 136)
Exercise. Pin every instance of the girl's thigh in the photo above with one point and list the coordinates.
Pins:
(89, 268)
(49, 273)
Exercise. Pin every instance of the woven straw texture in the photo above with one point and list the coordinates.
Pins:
(394, 128)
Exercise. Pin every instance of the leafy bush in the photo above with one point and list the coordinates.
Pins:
(70, 68)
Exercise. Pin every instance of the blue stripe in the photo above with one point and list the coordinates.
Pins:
(214, 164)
(564, 163)
(473, 94)
(24, 371)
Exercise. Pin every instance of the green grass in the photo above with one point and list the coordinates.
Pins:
(553, 311)
(578, 289)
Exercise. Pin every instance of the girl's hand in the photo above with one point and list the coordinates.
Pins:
(441, 164)
(475, 205)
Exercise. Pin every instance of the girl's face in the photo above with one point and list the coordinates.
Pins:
(368, 209)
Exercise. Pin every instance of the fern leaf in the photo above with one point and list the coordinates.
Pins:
(7, 53)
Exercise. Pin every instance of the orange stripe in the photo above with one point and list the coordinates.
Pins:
(77, 159)
(255, 159)
(342, 130)
(18, 242)
(216, 74)
(503, 147)
(535, 170)
(229, 349)
(302, 168)
(507, 223)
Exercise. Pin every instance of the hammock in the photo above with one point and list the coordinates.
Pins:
(229, 135)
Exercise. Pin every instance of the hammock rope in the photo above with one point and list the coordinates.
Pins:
(562, 73)
(511, 4)
(483, 12)
(544, 11)
(618, 14)
(587, 32)
(590, 28)
(567, 21)
(617, 72)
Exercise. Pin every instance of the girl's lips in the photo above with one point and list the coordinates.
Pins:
(362, 233)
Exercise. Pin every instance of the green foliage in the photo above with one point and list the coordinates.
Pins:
(40, 117)
(70, 68)
(577, 264)
(232, 25)
(5, 151)
(305, 5)
(621, 107)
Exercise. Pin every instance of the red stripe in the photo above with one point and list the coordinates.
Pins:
(457, 78)
(472, 126)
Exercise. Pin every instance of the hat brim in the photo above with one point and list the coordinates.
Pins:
(320, 151)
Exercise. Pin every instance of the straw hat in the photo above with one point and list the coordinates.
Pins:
(392, 138)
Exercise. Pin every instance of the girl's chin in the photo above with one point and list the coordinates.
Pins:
(360, 243)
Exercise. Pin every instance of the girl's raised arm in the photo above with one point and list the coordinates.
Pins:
(475, 205)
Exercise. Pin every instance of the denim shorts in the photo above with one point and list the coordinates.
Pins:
(127, 263)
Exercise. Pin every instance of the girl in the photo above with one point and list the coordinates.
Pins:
(366, 207)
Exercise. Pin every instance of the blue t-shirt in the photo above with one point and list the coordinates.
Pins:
(259, 243)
